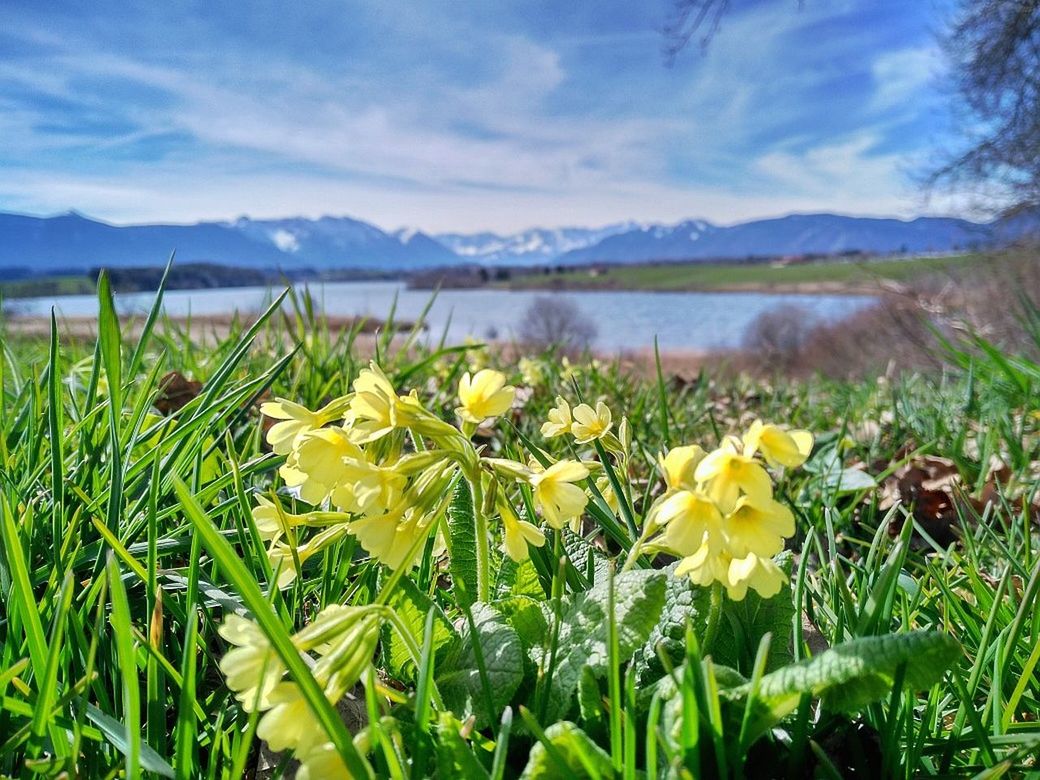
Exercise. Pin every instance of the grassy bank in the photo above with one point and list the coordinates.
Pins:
(171, 606)
(824, 276)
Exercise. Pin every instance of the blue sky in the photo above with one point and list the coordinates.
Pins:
(466, 115)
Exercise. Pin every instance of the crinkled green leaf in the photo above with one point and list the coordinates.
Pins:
(518, 579)
(638, 600)
(571, 746)
(849, 676)
(411, 605)
(462, 543)
(745, 622)
(458, 675)
(683, 601)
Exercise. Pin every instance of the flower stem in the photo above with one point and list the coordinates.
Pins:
(714, 616)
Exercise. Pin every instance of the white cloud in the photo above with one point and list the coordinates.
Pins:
(900, 76)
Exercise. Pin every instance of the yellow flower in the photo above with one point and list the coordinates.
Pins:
(679, 465)
(323, 762)
(272, 521)
(290, 723)
(517, 534)
(728, 473)
(373, 409)
(283, 561)
(760, 574)
(560, 420)
(484, 395)
(531, 371)
(688, 518)
(317, 465)
(295, 419)
(607, 491)
(590, 424)
(758, 527)
(705, 566)
(389, 538)
(554, 493)
(251, 667)
(778, 447)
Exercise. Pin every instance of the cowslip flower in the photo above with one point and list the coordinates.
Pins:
(392, 538)
(690, 520)
(778, 446)
(728, 473)
(252, 668)
(759, 573)
(590, 423)
(555, 494)
(517, 535)
(272, 521)
(484, 395)
(758, 527)
(290, 723)
(560, 420)
(679, 466)
(322, 762)
(373, 409)
(295, 420)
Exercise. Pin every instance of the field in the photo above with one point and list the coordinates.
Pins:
(477, 580)
(853, 275)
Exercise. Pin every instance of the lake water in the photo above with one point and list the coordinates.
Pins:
(625, 320)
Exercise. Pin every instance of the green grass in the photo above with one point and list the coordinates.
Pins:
(126, 539)
(853, 274)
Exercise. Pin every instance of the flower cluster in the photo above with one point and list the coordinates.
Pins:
(718, 512)
(343, 638)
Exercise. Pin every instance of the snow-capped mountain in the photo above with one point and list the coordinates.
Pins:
(534, 246)
(72, 243)
(797, 234)
(334, 242)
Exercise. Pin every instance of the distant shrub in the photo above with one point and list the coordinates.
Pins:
(557, 322)
(775, 339)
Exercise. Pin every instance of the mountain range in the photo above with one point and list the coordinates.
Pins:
(73, 243)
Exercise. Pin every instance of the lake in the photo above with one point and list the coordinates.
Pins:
(626, 320)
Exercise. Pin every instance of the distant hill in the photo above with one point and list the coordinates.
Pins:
(74, 244)
(799, 234)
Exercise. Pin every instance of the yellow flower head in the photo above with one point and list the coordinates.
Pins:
(555, 494)
(323, 762)
(290, 723)
(679, 465)
(560, 420)
(531, 371)
(517, 535)
(778, 447)
(391, 538)
(484, 395)
(758, 527)
(251, 667)
(728, 473)
(590, 423)
(760, 574)
(688, 517)
(295, 420)
(373, 409)
(271, 520)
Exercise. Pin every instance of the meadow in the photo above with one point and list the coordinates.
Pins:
(294, 549)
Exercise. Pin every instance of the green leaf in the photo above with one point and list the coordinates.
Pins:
(115, 733)
(455, 757)
(412, 606)
(638, 601)
(462, 543)
(581, 757)
(458, 676)
(518, 579)
(850, 676)
(683, 602)
(745, 622)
